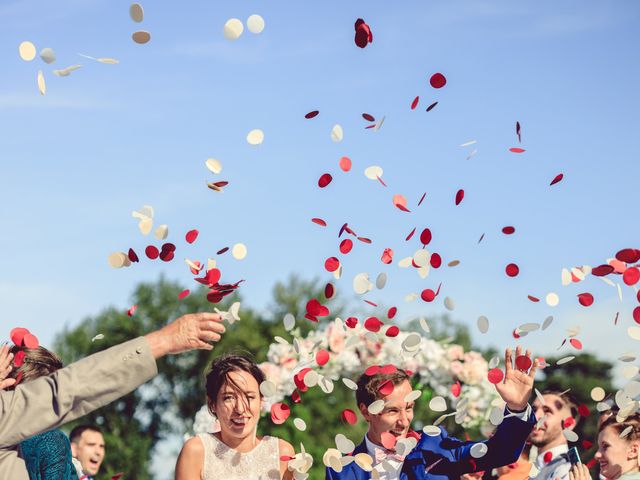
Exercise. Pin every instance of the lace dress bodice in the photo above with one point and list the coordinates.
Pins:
(222, 462)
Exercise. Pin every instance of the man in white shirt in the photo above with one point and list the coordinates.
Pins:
(557, 412)
(436, 456)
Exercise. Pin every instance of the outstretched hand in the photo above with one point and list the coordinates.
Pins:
(517, 385)
(5, 367)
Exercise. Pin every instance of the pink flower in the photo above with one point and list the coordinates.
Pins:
(455, 352)
(336, 338)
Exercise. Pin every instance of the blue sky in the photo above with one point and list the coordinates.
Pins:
(111, 138)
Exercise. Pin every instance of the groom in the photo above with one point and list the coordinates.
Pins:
(437, 457)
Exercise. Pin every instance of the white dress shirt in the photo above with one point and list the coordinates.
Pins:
(556, 468)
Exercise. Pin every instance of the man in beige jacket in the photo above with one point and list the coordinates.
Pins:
(71, 392)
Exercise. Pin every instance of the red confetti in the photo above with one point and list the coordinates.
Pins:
(556, 179)
(364, 240)
(428, 295)
(585, 299)
(392, 331)
(584, 411)
(568, 422)
(373, 324)
(508, 230)
(351, 322)
(547, 457)
(363, 35)
(345, 164)
(372, 370)
(425, 237)
(132, 310)
(322, 357)
(30, 341)
(324, 180)
(575, 343)
(586, 444)
(631, 276)
(285, 458)
(312, 114)
(435, 260)
(345, 246)
(386, 388)
(295, 397)
(387, 256)
(392, 312)
(17, 335)
(636, 314)
(368, 117)
(133, 256)
(512, 270)
(222, 250)
(432, 106)
(533, 299)
(515, 333)
(279, 413)
(389, 370)
(117, 476)
(319, 221)
(523, 363)
(371, 303)
(459, 196)
(628, 255)
(331, 264)
(414, 104)
(438, 80)
(410, 235)
(591, 463)
(388, 440)
(328, 291)
(316, 309)
(602, 270)
(400, 202)
(495, 375)
(349, 416)
(518, 131)
(18, 359)
(191, 236)
(517, 150)
(422, 198)
(151, 252)
(456, 388)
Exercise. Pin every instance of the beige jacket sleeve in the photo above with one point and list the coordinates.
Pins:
(48, 402)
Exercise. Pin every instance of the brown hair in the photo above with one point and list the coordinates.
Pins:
(37, 362)
(632, 421)
(368, 385)
(569, 400)
(221, 367)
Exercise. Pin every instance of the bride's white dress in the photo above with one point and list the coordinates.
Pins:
(222, 462)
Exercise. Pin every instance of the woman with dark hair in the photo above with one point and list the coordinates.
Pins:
(48, 455)
(236, 451)
(618, 449)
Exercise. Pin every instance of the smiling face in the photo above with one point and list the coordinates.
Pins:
(554, 410)
(395, 418)
(89, 450)
(616, 455)
(237, 405)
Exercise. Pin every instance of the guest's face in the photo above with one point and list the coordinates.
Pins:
(238, 408)
(616, 455)
(395, 418)
(554, 410)
(89, 451)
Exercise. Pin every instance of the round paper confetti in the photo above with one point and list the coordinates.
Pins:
(381, 281)
(268, 388)
(136, 12)
(373, 172)
(432, 430)
(322, 357)
(495, 375)
(337, 133)
(344, 444)
(345, 164)
(564, 360)
(42, 87)
(255, 137)
(116, 260)
(552, 299)
(512, 270)
(311, 114)
(449, 304)
(483, 324)
(376, 407)
(438, 404)
(214, 165)
(239, 251)
(141, 37)
(325, 180)
(631, 276)
(233, 28)
(350, 384)
(27, 51)
(585, 299)
(478, 450)
(300, 424)
(47, 55)
(438, 80)
(349, 416)
(255, 23)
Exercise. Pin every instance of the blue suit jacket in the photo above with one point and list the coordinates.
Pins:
(454, 457)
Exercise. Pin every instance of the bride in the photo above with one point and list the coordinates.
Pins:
(236, 452)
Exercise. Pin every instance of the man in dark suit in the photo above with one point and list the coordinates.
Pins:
(436, 456)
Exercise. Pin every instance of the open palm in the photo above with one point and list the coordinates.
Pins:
(517, 385)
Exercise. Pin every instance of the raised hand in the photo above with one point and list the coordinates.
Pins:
(517, 385)
(579, 471)
(194, 331)
(5, 367)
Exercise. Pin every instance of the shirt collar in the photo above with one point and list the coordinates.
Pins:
(555, 451)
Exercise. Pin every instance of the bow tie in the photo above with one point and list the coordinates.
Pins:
(384, 454)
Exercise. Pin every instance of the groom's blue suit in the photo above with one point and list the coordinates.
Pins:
(453, 455)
